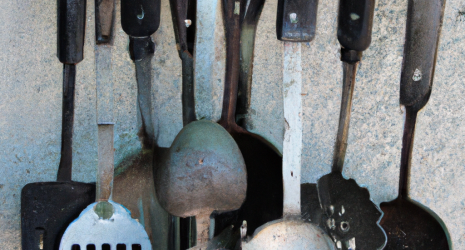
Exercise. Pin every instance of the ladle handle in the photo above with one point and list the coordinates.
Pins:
(292, 144)
(424, 21)
(249, 27)
(181, 10)
(232, 15)
(296, 23)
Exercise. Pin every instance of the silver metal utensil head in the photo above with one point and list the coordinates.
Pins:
(118, 229)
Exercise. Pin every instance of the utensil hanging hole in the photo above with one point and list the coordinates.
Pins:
(345, 226)
(75, 247)
(121, 247)
(292, 173)
(90, 247)
(136, 247)
(106, 246)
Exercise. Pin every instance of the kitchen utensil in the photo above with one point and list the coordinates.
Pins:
(184, 23)
(203, 158)
(249, 28)
(48, 207)
(264, 200)
(296, 23)
(203, 171)
(140, 19)
(184, 26)
(409, 224)
(105, 223)
(136, 190)
(351, 217)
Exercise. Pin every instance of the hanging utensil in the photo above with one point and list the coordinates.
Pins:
(184, 23)
(409, 224)
(140, 19)
(184, 26)
(351, 217)
(48, 207)
(105, 223)
(264, 200)
(204, 171)
(296, 23)
(248, 30)
(136, 190)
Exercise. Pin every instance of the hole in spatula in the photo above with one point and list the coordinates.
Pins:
(345, 226)
(121, 247)
(136, 247)
(75, 247)
(91, 247)
(40, 232)
(106, 247)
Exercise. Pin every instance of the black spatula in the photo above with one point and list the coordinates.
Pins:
(351, 218)
(48, 207)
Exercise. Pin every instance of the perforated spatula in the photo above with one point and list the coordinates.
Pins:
(351, 217)
(48, 207)
(105, 224)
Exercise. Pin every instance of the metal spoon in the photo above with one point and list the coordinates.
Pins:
(409, 224)
(264, 201)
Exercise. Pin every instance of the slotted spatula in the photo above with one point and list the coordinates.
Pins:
(48, 207)
(105, 224)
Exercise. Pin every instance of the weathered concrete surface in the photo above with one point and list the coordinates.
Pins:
(30, 105)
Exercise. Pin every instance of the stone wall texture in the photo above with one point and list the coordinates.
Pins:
(30, 105)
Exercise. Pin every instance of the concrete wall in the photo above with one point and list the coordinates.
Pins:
(30, 105)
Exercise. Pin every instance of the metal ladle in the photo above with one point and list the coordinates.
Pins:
(409, 224)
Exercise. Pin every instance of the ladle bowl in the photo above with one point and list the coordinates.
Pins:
(203, 170)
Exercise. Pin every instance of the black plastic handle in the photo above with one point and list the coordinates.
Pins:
(296, 20)
(355, 22)
(140, 18)
(424, 21)
(71, 20)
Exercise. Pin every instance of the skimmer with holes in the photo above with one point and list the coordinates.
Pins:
(105, 224)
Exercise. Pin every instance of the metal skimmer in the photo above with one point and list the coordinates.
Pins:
(105, 224)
